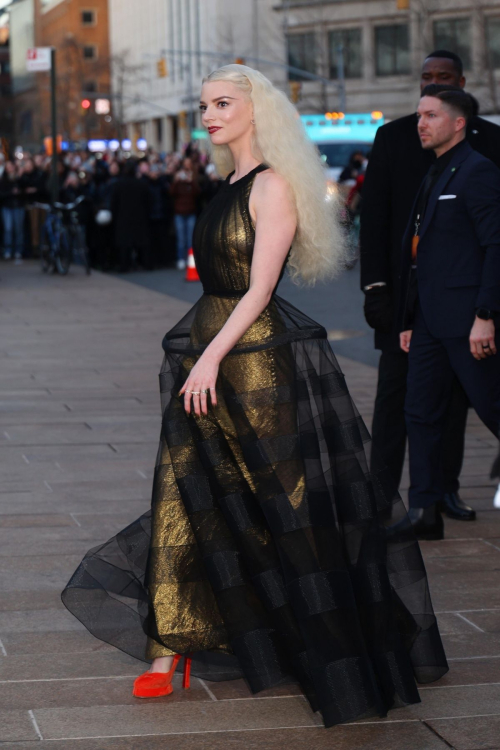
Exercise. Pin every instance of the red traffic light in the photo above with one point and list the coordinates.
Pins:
(85, 103)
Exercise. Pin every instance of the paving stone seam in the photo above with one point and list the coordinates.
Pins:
(491, 544)
(222, 700)
(463, 539)
(181, 734)
(72, 679)
(35, 724)
(464, 716)
(436, 734)
(450, 687)
(262, 698)
(207, 689)
(469, 539)
(54, 554)
(75, 445)
(465, 572)
(469, 622)
(457, 611)
(473, 658)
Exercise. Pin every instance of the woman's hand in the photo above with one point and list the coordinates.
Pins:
(202, 377)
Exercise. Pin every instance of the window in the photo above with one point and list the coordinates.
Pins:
(392, 50)
(159, 130)
(5, 67)
(90, 52)
(26, 122)
(350, 40)
(90, 86)
(454, 34)
(301, 54)
(493, 37)
(88, 18)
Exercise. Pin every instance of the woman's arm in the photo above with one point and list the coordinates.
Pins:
(273, 210)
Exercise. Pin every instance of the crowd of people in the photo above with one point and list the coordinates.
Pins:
(138, 212)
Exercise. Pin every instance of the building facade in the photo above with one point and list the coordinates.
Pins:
(79, 31)
(6, 105)
(159, 59)
(26, 126)
(384, 43)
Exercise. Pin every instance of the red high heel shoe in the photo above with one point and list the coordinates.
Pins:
(156, 684)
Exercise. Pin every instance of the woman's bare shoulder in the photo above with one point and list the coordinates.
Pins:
(269, 182)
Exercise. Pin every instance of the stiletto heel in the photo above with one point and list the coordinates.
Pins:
(156, 684)
(187, 672)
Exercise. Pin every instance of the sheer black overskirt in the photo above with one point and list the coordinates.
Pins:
(271, 541)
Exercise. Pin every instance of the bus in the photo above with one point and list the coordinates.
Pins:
(338, 135)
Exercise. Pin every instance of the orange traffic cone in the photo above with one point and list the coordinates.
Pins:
(191, 272)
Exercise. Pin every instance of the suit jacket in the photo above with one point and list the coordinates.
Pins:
(458, 262)
(397, 166)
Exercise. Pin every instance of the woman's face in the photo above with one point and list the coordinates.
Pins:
(226, 112)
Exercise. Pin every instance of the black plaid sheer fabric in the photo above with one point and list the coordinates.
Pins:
(270, 551)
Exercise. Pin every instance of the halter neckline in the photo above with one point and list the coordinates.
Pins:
(258, 167)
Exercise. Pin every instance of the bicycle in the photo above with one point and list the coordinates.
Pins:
(62, 237)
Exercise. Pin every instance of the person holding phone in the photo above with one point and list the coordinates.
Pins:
(185, 190)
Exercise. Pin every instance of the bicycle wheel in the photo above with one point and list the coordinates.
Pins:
(63, 254)
(46, 258)
(80, 248)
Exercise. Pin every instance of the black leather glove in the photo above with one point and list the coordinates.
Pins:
(378, 309)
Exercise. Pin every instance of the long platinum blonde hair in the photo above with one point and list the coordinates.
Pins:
(280, 141)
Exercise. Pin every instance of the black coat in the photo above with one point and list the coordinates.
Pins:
(160, 201)
(458, 267)
(104, 193)
(11, 191)
(397, 166)
(130, 206)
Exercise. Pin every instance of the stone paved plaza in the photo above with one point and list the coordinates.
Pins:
(79, 424)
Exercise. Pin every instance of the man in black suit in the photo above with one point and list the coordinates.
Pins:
(450, 294)
(396, 169)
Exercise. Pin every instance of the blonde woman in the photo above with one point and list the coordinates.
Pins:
(265, 553)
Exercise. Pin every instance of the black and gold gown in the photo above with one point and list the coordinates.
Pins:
(267, 551)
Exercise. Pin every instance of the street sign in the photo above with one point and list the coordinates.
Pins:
(38, 59)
